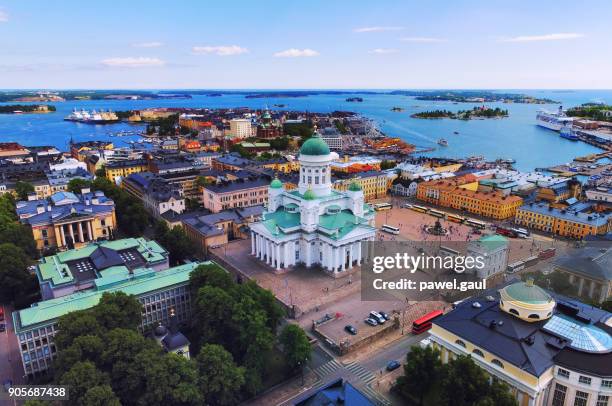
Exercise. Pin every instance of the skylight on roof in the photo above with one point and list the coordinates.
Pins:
(583, 337)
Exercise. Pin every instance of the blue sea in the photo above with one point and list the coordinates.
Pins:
(514, 137)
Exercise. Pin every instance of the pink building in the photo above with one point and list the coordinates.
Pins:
(239, 193)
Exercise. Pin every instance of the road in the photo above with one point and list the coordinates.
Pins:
(10, 361)
(362, 373)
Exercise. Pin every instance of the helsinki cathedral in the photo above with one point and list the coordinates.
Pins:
(314, 224)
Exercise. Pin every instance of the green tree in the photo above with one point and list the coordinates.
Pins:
(101, 395)
(118, 310)
(213, 307)
(75, 185)
(19, 235)
(387, 165)
(296, 347)
(23, 189)
(220, 378)
(211, 275)
(76, 324)
(175, 241)
(101, 172)
(422, 373)
(15, 279)
(80, 378)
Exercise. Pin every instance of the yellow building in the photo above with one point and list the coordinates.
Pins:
(375, 185)
(282, 165)
(545, 355)
(67, 220)
(78, 150)
(121, 169)
(563, 222)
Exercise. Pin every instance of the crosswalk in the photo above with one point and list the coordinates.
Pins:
(362, 373)
(372, 394)
(328, 368)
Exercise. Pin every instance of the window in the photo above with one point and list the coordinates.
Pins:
(461, 343)
(497, 363)
(584, 380)
(581, 398)
(606, 384)
(533, 316)
(563, 373)
(602, 400)
(559, 395)
(478, 352)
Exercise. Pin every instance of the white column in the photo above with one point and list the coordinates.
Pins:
(308, 254)
(62, 236)
(278, 257)
(334, 259)
(90, 231)
(359, 253)
(343, 258)
(81, 237)
(351, 249)
(252, 243)
(71, 231)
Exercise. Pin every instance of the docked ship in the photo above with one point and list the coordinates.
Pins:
(553, 120)
(93, 117)
(443, 142)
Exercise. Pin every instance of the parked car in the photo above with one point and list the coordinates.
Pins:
(371, 321)
(350, 329)
(393, 365)
(385, 315)
(2, 327)
(376, 316)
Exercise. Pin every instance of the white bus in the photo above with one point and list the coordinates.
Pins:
(382, 206)
(436, 213)
(521, 232)
(475, 224)
(390, 229)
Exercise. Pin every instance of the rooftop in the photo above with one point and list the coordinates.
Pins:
(572, 215)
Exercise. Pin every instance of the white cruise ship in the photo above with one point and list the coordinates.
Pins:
(93, 117)
(553, 120)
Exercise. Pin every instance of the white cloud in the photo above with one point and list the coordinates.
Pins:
(152, 44)
(296, 53)
(422, 39)
(132, 62)
(3, 16)
(383, 51)
(378, 29)
(545, 37)
(221, 50)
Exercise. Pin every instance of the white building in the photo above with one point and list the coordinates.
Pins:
(241, 128)
(313, 225)
(493, 249)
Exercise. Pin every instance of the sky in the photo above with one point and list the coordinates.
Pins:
(327, 44)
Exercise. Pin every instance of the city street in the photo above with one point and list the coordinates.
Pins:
(10, 363)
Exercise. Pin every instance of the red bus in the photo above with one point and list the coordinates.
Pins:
(506, 232)
(1, 313)
(423, 324)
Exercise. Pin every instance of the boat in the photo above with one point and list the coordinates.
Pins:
(553, 120)
(93, 117)
(569, 134)
(354, 99)
(455, 132)
(397, 109)
(443, 142)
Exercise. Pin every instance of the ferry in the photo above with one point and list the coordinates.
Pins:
(443, 142)
(93, 117)
(553, 120)
(569, 134)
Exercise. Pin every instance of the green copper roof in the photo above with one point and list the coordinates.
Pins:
(315, 146)
(276, 184)
(527, 292)
(309, 195)
(354, 187)
(114, 279)
(340, 224)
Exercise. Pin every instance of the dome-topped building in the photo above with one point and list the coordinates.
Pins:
(315, 224)
(527, 301)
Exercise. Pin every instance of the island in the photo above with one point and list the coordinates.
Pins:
(26, 108)
(397, 109)
(593, 111)
(42, 96)
(475, 113)
(473, 96)
(354, 99)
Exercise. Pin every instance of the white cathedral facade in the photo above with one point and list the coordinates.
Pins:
(313, 225)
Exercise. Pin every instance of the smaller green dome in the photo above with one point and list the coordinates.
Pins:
(309, 195)
(315, 146)
(354, 187)
(276, 184)
(526, 292)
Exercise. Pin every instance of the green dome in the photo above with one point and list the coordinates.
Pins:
(315, 146)
(276, 184)
(354, 187)
(526, 292)
(309, 195)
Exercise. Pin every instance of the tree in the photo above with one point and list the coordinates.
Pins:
(296, 347)
(387, 165)
(422, 372)
(220, 378)
(75, 185)
(19, 235)
(211, 275)
(101, 172)
(101, 395)
(75, 324)
(80, 378)
(15, 280)
(23, 189)
(118, 310)
(213, 306)
(175, 241)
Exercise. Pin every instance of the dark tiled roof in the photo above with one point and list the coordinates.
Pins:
(510, 341)
(237, 185)
(593, 262)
